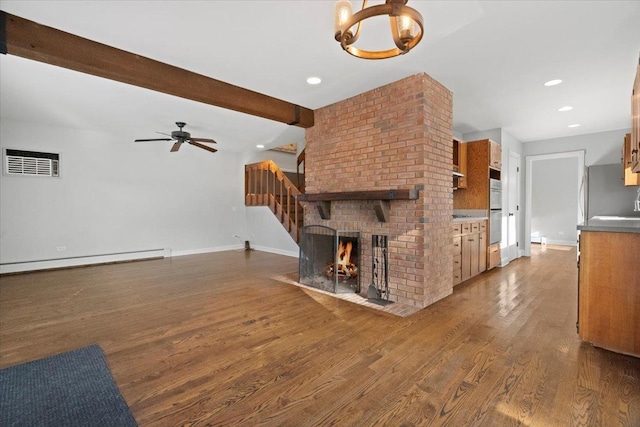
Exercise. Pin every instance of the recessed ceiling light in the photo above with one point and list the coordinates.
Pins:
(314, 80)
(553, 82)
(565, 108)
(575, 125)
(259, 146)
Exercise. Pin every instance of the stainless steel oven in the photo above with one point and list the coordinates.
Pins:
(495, 194)
(495, 226)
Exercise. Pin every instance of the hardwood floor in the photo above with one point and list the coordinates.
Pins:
(213, 339)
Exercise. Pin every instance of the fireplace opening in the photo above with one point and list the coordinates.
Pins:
(329, 259)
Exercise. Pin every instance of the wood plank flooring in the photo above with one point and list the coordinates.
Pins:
(214, 339)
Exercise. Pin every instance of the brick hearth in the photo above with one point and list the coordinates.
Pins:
(394, 137)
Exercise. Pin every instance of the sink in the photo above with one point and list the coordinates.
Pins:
(617, 218)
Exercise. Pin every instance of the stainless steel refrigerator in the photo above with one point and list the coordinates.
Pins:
(605, 193)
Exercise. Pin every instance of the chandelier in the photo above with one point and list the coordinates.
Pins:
(406, 27)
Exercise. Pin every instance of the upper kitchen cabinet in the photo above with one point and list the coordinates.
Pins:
(635, 122)
(630, 178)
(495, 158)
(459, 164)
(479, 170)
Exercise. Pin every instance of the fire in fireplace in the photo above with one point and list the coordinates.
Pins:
(329, 259)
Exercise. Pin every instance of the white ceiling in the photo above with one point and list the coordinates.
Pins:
(493, 55)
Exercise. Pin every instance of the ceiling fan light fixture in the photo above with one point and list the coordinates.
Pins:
(406, 27)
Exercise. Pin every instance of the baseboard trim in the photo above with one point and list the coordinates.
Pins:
(51, 264)
(84, 261)
(292, 254)
(205, 250)
(562, 242)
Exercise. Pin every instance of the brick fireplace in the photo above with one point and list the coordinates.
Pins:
(394, 137)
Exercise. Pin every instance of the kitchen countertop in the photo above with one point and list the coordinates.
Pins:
(470, 218)
(611, 224)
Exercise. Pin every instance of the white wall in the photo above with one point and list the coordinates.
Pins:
(115, 195)
(554, 200)
(266, 233)
(602, 148)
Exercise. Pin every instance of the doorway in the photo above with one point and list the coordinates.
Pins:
(554, 184)
(513, 204)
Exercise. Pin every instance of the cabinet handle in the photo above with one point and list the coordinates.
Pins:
(471, 240)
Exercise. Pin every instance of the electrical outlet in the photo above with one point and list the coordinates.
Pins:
(61, 248)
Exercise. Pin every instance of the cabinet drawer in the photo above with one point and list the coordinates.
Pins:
(466, 227)
(457, 262)
(457, 277)
(457, 228)
(483, 226)
(457, 245)
(475, 227)
(494, 255)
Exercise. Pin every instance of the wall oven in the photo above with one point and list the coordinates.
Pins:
(495, 213)
(495, 194)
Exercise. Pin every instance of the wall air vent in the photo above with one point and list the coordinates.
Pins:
(31, 163)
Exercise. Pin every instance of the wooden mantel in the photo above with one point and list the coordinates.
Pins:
(381, 197)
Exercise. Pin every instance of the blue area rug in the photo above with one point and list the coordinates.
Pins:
(69, 389)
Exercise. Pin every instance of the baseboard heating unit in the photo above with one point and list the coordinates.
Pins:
(22, 266)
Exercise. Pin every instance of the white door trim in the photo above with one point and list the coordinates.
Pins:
(527, 209)
(517, 213)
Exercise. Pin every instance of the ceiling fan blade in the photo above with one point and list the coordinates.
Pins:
(204, 147)
(154, 139)
(176, 146)
(203, 140)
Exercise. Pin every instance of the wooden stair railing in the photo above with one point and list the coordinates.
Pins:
(300, 182)
(266, 185)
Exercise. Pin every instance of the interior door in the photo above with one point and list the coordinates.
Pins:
(513, 195)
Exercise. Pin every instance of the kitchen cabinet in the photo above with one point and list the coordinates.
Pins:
(609, 290)
(630, 178)
(635, 122)
(495, 155)
(476, 195)
(494, 256)
(460, 163)
(469, 250)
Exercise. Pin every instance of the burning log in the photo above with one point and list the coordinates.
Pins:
(345, 267)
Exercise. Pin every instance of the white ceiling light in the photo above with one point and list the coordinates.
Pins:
(575, 125)
(565, 108)
(314, 80)
(553, 82)
(259, 146)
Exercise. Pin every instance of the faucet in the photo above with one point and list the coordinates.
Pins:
(636, 208)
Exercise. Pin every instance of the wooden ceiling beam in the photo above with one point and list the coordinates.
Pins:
(28, 39)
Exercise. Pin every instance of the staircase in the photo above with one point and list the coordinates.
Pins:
(265, 184)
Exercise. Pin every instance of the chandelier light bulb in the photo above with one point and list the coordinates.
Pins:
(342, 12)
(406, 28)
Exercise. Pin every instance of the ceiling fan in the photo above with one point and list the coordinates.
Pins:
(180, 136)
